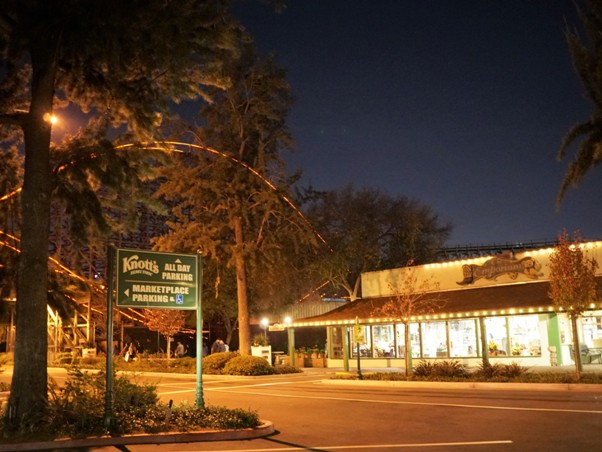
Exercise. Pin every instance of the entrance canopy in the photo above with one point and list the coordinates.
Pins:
(513, 299)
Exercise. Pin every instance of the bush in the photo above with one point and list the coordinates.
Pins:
(500, 372)
(182, 365)
(449, 369)
(286, 369)
(77, 410)
(189, 418)
(423, 369)
(441, 369)
(214, 364)
(248, 365)
(383, 376)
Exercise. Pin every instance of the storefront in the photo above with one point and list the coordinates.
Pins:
(503, 299)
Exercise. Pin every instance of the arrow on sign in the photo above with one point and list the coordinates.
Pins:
(127, 292)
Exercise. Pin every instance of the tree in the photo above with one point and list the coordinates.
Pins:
(368, 230)
(587, 60)
(95, 56)
(572, 284)
(414, 296)
(232, 205)
(10, 182)
(167, 322)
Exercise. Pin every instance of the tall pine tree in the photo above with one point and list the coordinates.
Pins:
(121, 61)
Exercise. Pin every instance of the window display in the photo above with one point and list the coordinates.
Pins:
(592, 329)
(365, 347)
(434, 340)
(524, 335)
(463, 338)
(384, 341)
(516, 336)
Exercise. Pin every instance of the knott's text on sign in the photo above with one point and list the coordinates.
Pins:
(148, 279)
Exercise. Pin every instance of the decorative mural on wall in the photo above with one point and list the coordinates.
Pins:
(495, 267)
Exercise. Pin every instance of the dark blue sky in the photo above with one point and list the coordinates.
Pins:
(459, 104)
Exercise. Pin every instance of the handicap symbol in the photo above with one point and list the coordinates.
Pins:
(179, 299)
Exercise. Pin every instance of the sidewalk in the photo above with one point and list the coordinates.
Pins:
(587, 368)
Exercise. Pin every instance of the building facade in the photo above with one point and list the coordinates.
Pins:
(501, 299)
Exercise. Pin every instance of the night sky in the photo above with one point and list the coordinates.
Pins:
(459, 104)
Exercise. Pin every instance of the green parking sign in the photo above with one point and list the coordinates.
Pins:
(148, 279)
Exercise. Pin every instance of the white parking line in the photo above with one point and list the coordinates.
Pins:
(222, 388)
(394, 402)
(367, 446)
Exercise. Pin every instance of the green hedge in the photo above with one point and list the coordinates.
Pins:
(248, 365)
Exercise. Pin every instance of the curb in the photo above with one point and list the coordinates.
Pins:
(265, 429)
(471, 385)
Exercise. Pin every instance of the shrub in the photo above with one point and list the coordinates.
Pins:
(189, 418)
(449, 369)
(77, 411)
(500, 372)
(182, 365)
(248, 365)
(423, 369)
(514, 370)
(260, 340)
(286, 369)
(440, 369)
(488, 371)
(214, 364)
(385, 376)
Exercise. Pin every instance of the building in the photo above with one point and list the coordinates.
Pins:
(503, 299)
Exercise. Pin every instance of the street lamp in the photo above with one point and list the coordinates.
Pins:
(265, 322)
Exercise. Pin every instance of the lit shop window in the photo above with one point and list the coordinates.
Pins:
(365, 347)
(434, 340)
(592, 329)
(401, 340)
(517, 336)
(463, 338)
(524, 335)
(497, 335)
(415, 340)
(384, 341)
(336, 343)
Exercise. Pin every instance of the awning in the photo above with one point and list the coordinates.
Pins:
(513, 299)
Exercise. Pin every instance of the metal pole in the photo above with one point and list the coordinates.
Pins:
(200, 403)
(291, 345)
(109, 376)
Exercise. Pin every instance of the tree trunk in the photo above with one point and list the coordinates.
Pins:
(408, 341)
(28, 395)
(244, 329)
(168, 347)
(576, 347)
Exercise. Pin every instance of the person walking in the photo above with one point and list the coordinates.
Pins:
(180, 350)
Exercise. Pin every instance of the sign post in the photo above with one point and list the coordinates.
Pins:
(153, 280)
(109, 376)
(200, 402)
(358, 337)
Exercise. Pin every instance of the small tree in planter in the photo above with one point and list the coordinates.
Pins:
(412, 297)
(572, 284)
(166, 322)
(260, 346)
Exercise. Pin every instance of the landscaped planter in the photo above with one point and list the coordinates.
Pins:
(263, 351)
